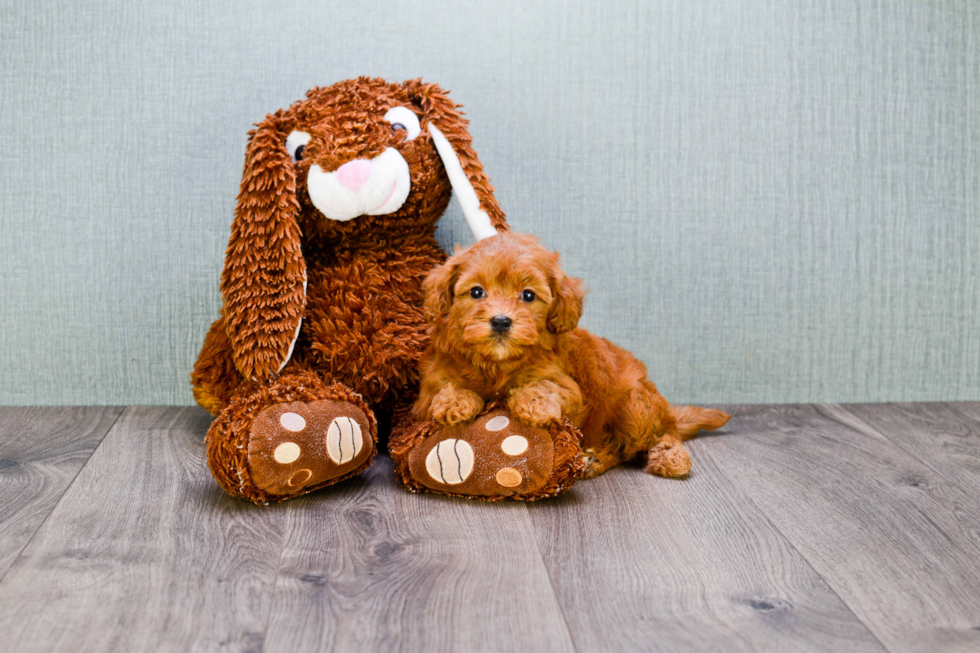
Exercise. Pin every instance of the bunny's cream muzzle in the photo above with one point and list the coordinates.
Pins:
(361, 187)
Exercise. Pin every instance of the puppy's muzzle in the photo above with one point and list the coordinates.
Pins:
(500, 323)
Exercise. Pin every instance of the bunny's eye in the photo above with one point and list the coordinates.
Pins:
(296, 144)
(404, 119)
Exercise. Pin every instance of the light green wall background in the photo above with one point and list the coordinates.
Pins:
(771, 201)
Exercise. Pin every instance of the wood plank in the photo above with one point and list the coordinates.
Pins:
(645, 563)
(969, 408)
(873, 520)
(940, 435)
(145, 552)
(41, 451)
(368, 566)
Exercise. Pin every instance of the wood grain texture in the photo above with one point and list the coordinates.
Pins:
(874, 521)
(968, 408)
(803, 528)
(41, 451)
(644, 563)
(940, 435)
(369, 567)
(145, 552)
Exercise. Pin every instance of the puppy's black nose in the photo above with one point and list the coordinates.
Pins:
(500, 323)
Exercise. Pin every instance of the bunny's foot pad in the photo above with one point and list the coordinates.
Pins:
(266, 450)
(297, 445)
(494, 458)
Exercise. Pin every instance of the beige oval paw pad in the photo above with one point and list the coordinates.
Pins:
(497, 423)
(450, 461)
(509, 477)
(292, 422)
(344, 440)
(514, 445)
(299, 477)
(286, 453)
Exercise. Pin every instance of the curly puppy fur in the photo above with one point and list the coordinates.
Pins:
(504, 318)
(340, 299)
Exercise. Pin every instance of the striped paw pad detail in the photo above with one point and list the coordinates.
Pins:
(450, 462)
(344, 440)
(494, 455)
(296, 446)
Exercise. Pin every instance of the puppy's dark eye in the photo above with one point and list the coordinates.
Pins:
(299, 152)
(528, 296)
(476, 292)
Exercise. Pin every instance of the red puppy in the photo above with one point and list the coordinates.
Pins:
(503, 319)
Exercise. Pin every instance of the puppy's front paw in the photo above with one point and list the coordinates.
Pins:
(536, 404)
(454, 405)
(593, 466)
(599, 462)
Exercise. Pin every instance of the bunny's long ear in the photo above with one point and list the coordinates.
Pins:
(472, 188)
(264, 279)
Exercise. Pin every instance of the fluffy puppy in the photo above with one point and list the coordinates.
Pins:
(503, 318)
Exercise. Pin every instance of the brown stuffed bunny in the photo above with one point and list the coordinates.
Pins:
(322, 323)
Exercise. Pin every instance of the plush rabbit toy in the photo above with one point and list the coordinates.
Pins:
(322, 323)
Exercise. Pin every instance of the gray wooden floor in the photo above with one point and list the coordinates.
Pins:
(803, 528)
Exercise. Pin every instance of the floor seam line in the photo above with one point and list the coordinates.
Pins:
(891, 441)
(800, 553)
(275, 579)
(551, 583)
(64, 494)
(925, 463)
(952, 405)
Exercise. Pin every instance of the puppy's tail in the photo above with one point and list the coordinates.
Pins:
(691, 419)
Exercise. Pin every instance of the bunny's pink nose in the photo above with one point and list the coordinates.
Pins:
(354, 174)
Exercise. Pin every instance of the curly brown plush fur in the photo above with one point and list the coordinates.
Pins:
(359, 318)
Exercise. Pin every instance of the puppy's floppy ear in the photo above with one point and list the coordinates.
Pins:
(438, 289)
(447, 127)
(264, 280)
(566, 305)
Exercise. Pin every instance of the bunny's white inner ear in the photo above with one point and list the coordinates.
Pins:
(477, 218)
(292, 345)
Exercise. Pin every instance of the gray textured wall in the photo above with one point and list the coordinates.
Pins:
(771, 201)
